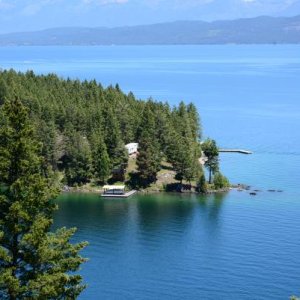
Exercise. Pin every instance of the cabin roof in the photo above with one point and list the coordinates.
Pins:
(131, 145)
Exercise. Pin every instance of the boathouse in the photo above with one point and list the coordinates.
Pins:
(114, 189)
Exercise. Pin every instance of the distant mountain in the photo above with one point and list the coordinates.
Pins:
(260, 30)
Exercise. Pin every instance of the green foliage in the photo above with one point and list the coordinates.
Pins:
(211, 151)
(115, 145)
(186, 160)
(34, 262)
(201, 184)
(68, 113)
(194, 121)
(3, 89)
(46, 133)
(101, 161)
(184, 150)
(220, 181)
(78, 159)
(149, 158)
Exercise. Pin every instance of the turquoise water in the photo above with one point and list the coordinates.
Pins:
(230, 246)
(171, 247)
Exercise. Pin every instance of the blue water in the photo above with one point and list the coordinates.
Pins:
(171, 247)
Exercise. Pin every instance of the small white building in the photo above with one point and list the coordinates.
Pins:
(132, 148)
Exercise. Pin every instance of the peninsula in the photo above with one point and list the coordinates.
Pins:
(83, 129)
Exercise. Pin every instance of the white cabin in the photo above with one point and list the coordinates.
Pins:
(132, 148)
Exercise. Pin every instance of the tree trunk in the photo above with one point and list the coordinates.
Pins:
(209, 176)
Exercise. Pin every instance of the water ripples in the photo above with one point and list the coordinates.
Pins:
(167, 247)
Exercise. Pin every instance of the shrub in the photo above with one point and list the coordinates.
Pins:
(202, 185)
(220, 181)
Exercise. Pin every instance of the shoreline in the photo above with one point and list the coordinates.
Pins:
(234, 187)
(96, 190)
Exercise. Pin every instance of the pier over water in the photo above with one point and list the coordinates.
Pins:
(235, 151)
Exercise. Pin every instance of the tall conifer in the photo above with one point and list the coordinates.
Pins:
(101, 161)
(186, 151)
(115, 146)
(210, 149)
(149, 157)
(34, 262)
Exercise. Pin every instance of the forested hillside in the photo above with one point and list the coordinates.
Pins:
(259, 30)
(83, 128)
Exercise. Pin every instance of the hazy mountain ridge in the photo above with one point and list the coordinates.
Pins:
(260, 30)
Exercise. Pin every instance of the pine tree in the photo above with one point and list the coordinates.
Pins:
(210, 149)
(78, 159)
(115, 146)
(194, 121)
(149, 157)
(183, 161)
(186, 159)
(101, 161)
(185, 149)
(201, 184)
(34, 262)
(3, 89)
(47, 135)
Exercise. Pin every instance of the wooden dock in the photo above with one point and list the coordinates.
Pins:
(125, 195)
(235, 151)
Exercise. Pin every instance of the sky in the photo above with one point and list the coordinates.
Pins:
(29, 15)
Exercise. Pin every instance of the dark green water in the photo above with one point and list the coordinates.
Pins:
(231, 246)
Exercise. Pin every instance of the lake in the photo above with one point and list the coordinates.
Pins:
(231, 246)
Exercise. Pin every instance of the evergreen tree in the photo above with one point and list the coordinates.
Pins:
(183, 160)
(47, 135)
(115, 146)
(211, 151)
(201, 185)
(185, 150)
(186, 161)
(101, 161)
(163, 126)
(149, 158)
(194, 121)
(34, 262)
(78, 159)
(3, 89)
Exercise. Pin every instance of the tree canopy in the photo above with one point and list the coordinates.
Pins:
(211, 151)
(83, 127)
(34, 262)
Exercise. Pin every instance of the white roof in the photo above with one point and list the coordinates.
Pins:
(114, 187)
(131, 145)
